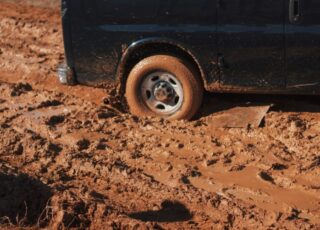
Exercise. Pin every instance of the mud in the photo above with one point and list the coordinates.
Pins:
(70, 159)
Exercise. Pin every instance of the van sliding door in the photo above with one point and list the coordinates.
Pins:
(251, 44)
(303, 45)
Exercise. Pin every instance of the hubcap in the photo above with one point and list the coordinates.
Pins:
(162, 92)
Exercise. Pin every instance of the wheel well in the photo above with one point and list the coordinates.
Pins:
(156, 49)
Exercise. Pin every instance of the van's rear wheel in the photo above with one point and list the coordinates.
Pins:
(164, 86)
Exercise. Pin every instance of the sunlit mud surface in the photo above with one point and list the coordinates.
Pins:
(70, 157)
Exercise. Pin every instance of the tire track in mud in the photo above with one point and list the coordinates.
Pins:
(82, 165)
(136, 161)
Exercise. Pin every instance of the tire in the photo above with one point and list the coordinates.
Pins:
(176, 95)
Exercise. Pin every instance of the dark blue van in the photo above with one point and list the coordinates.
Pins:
(163, 54)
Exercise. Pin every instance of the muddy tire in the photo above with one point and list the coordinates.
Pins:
(164, 86)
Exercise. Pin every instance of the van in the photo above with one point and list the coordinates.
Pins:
(163, 54)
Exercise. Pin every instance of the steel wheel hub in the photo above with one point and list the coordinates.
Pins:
(162, 92)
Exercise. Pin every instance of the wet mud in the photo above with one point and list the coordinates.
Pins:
(69, 158)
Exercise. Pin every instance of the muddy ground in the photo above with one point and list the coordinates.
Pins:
(71, 159)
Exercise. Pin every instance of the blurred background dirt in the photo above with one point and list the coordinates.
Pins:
(69, 158)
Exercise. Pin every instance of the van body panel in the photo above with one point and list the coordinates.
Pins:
(251, 42)
(239, 45)
(103, 30)
(303, 46)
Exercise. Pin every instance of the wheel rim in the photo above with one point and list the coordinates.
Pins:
(162, 92)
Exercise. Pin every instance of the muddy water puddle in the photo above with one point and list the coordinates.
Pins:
(244, 185)
(248, 178)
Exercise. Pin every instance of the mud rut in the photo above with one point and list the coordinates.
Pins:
(70, 158)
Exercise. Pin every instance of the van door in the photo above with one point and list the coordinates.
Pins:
(251, 44)
(303, 45)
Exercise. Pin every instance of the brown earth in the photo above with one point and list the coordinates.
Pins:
(70, 159)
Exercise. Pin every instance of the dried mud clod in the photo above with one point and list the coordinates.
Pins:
(55, 120)
(49, 103)
(106, 113)
(279, 167)
(266, 177)
(83, 144)
(20, 88)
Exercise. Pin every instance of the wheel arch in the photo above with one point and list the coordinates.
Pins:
(152, 46)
